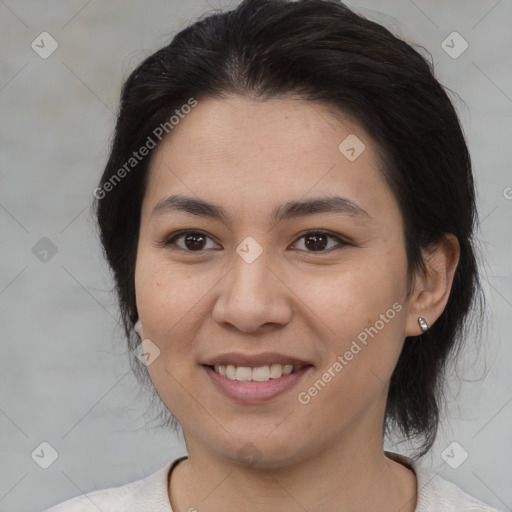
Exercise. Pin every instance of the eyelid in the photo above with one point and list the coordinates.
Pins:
(342, 241)
(167, 241)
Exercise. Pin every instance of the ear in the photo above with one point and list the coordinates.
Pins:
(432, 290)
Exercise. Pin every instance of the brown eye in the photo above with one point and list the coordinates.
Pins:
(318, 241)
(197, 241)
(192, 241)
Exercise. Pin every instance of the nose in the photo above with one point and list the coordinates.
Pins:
(253, 297)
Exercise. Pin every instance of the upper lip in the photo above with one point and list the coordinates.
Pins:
(253, 360)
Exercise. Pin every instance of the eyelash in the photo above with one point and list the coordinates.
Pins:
(171, 240)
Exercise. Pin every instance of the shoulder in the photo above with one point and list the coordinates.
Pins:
(437, 494)
(148, 493)
(105, 499)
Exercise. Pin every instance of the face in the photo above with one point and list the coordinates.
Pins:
(281, 250)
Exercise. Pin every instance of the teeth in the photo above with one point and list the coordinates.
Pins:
(276, 370)
(261, 374)
(243, 373)
(287, 369)
(230, 372)
(258, 374)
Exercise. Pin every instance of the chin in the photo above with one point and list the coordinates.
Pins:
(262, 452)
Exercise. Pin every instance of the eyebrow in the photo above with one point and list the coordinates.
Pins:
(291, 209)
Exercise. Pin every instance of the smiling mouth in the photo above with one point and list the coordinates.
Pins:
(256, 374)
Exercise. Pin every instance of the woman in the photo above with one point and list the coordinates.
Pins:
(288, 211)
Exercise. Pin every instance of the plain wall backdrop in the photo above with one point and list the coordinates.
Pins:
(64, 366)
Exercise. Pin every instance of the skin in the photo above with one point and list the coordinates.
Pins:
(250, 157)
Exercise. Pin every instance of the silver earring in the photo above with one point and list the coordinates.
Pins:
(423, 324)
(137, 327)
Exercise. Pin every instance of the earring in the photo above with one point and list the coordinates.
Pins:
(423, 324)
(138, 327)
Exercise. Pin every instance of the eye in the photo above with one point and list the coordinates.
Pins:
(193, 241)
(317, 241)
(197, 241)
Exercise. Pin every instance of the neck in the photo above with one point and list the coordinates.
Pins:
(348, 477)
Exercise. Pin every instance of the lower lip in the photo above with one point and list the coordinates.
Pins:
(255, 392)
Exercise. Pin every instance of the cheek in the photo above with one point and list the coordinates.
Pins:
(168, 296)
(353, 295)
(361, 312)
(168, 300)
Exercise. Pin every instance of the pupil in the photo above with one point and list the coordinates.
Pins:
(315, 244)
(189, 241)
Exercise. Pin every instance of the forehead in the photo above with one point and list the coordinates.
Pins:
(252, 153)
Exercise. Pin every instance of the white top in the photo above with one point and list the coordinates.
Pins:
(149, 494)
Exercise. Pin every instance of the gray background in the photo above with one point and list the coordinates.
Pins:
(64, 366)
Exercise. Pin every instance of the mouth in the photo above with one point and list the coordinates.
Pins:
(252, 380)
(256, 374)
